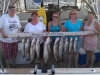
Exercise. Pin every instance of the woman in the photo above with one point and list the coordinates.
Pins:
(90, 40)
(73, 25)
(9, 23)
(54, 26)
(36, 27)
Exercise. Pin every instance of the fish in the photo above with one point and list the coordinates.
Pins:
(75, 44)
(61, 48)
(49, 43)
(27, 49)
(70, 44)
(56, 48)
(32, 49)
(23, 47)
(66, 44)
(38, 48)
(46, 50)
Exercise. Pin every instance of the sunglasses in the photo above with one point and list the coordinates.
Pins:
(73, 13)
(55, 16)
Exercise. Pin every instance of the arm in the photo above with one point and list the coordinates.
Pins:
(1, 26)
(2, 33)
(19, 29)
(97, 26)
(64, 27)
(48, 26)
(61, 26)
(19, 25)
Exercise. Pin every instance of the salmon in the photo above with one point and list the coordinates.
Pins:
(27, 49)
(66, 44)
(75, 44)
(23, 47)
(56, 48)
(33, 49)
(38, 48)
(61, 48)
(46, 50)
(70, 44)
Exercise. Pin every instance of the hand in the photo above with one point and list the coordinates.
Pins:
(90, 34)
(4, 36)
(45, 38)
(18, 36)
(30, 37)
(80, 36)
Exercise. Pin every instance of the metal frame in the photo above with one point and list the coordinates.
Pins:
(5, 8)
(94, 6)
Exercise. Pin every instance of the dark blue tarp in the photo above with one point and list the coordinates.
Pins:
(37, 1)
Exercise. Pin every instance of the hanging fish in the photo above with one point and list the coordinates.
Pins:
(61, 48)
(56, 48)
(46, 50)
(70, 45)
(27, 49)
(32, 49)
(23, 47)
(38, 47)
(49, 43)
(66, 44)
(75, 44)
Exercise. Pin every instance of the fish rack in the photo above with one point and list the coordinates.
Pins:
(48, 34)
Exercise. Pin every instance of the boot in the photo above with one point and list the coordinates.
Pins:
(76, 60)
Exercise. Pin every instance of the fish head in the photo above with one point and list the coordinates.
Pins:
(38, 41)
(28, 40)
(62, 40)
(71, 39)
(57, 40)
(76, 38)
(33, 40)
(48, 39)
(66, 40)
(23, 41)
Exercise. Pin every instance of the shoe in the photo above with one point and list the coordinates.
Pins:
(59, 64)
(85, 65)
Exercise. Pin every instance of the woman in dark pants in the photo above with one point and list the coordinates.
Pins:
(54, 26)
(36, 27)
